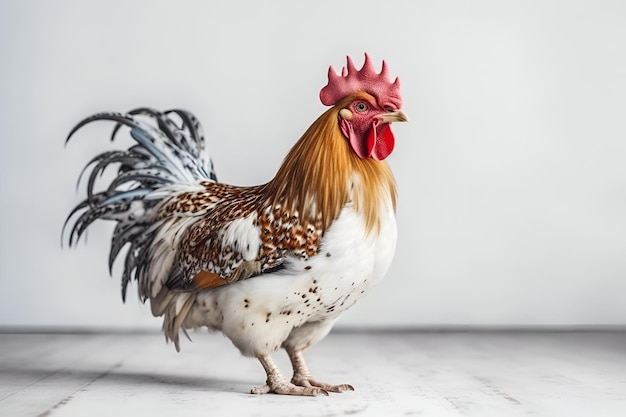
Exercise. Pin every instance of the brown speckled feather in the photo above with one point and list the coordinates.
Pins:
(207, 247)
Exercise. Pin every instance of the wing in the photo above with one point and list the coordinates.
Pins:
(226, 234)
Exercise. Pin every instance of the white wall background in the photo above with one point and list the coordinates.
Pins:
(512, 172)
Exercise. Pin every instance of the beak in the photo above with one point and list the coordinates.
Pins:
(394, 116)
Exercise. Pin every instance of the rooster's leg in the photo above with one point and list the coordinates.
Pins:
(302, 376)
(277, 384)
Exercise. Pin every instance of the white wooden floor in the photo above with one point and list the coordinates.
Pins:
(394, 374)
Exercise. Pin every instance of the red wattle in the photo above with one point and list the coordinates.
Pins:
(378, 143)
(384, 141)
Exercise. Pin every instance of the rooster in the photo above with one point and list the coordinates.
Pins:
(271, 266)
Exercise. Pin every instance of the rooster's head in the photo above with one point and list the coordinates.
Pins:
(369, 102)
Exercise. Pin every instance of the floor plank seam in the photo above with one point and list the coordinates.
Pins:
(66, 400)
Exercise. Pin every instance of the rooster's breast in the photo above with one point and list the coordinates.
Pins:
(349, 263)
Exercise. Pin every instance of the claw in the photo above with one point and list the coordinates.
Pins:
(260, 390)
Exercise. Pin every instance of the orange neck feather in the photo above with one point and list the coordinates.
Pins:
(316, 176)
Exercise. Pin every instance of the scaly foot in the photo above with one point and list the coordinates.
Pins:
(302, 377)
(277, 384)
(286, 388)
(307, 381)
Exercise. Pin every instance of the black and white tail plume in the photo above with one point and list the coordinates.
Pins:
(170, 154)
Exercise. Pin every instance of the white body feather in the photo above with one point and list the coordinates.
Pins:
(298, 305)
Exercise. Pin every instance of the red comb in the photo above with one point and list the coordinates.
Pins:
(366, 79)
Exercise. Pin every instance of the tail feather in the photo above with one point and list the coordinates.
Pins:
(135, 262)
(168, 160)
(122, 234)
(169, 155)
(102, 161)
(178, 307)
(192, 142)
(151, 177)
(121, 119)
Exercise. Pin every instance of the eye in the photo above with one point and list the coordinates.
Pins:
(361, 107)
